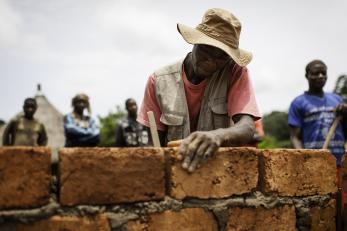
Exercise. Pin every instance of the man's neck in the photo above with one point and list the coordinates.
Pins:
(78, 114)
(316, 92)
(132, 117)
(29, 117)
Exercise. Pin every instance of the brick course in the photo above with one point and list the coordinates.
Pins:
(261, 219)
(232, 171)
(25, 175)
(67, 223)
(323, 218)
(111, 175)
(190, 219)
(295, 172)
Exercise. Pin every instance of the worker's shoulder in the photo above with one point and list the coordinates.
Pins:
(334, 95)
(169, 69)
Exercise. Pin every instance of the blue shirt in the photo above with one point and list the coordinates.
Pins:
(314, 115)
(80, 133)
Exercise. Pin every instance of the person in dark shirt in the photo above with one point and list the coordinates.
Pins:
(129, 132)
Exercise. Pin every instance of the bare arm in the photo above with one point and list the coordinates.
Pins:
(42, 139)
(200, 145)
(295, 134)
(8, 135)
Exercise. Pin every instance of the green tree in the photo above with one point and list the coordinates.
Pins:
(276, 128)
(108, 126)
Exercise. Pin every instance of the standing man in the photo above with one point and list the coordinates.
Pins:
(25, 130)
(207, 98)
(80, 129)
(129, 132)
(312, 114)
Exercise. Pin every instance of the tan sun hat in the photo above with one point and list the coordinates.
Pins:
(221, 29)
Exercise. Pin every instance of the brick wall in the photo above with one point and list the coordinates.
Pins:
(129, 189)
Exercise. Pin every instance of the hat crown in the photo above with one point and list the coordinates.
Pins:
(222, 26)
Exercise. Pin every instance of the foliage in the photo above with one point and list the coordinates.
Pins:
(276, 128)
(271, 142)
(108, 126)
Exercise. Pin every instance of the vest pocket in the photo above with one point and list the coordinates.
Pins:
(220, 115)
(175, 126)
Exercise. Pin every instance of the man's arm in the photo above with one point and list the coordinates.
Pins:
(295, 134)
(42, 139)
(8, 135)
(200, 145)
(120, 141)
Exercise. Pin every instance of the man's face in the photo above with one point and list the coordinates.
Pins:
(29, 109)
(80, 105)
(206, 60)
(132, 107)
(317, 76)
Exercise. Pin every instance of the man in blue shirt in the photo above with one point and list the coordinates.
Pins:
(312, 114)
(80, 129)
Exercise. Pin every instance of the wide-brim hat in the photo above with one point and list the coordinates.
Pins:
(221, 29)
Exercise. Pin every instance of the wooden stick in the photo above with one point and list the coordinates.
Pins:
(154, 130)
(331, 132)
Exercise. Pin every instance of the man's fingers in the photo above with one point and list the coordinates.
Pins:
(194, 163)
(186, 162)
(193, 146)
(209, 153)
(185, 144)
(202, 148)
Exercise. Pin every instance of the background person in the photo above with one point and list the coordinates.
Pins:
(25, 130)
(80, 129)
(129, 132)
(312, 113)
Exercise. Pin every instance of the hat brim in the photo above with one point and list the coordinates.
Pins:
(194, 36)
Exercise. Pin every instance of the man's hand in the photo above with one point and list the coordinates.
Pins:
(198, 147)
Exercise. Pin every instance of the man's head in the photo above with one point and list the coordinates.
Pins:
(316, 74)
(131, 107)
(220, 29)
(29, 107)
(80, 102)
(206, 60)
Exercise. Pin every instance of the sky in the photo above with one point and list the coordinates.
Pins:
(108, 48)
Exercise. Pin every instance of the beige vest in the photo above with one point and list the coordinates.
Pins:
(27, 132)
(170, 94)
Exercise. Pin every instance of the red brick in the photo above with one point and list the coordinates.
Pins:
(67, 223)
(261, 219)
(344, 175)
(299, 172)
(323, 218)
(190, 219)
(25, 175)
(232, 171)
(111, 175)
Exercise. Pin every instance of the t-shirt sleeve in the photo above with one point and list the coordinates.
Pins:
(241, 98)
(150, 103)
(294, 115)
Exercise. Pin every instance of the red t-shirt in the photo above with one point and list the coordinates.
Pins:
(241, 99)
